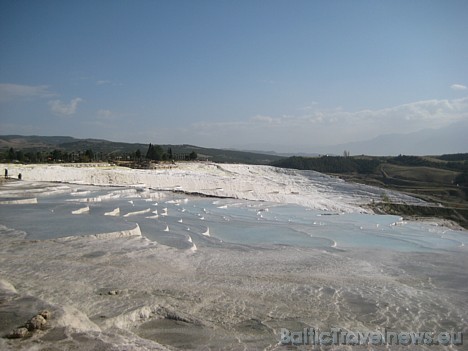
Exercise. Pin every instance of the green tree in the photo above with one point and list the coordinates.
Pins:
(150, 152)
(193, 156)
(155, 153)
(462, 179)
(159, 153)
(39, 156)
(56, 155)
(88, 156)
(20, 155)
(11, 154)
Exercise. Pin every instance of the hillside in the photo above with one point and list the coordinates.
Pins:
(442, 181)
(105, 148)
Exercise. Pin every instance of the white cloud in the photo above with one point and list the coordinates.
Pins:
(18, 91)
(104, 114)
(334, 126)
(108, 82)
(309, 107)
(458, 87)
(63, 109)
(103, 82)
(266, 119)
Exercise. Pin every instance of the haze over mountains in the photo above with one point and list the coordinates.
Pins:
(446, 140)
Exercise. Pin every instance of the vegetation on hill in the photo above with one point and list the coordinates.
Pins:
(330, 164)
(33, 149)
(440, 180)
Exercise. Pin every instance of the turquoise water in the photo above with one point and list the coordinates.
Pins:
(365, 272)
(227, 220)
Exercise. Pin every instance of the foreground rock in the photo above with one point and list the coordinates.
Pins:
(18, 333)
(38, 322)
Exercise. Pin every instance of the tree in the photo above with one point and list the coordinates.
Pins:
(155, 153)
(346, 153)
(193, 156)
(39, 156)
(150, 152)
(11, 154)
(88, 156)
(20, 155)
(56, 155)
(138, 155)
(159, 152)
(30, 157)
(169, 152)
(462, 179)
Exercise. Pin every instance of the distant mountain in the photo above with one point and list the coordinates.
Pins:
(70, 144)
(282, 154)
(447, 140)
(33, 141)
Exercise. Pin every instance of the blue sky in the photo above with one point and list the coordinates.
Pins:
(245, 73)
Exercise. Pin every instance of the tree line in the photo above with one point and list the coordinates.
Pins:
(154, 153)
(31, 156)
(346, 164)
(455, 162)
(157, 153)
(330, 164)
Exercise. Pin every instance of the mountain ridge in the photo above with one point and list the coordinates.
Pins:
(71, 144)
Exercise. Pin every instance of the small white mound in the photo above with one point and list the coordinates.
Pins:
(19, 202)
(153, 217)
(127, 320)
(206, 232)
(164, 213)
(81, 210)
(7, 287)
(115, 212)
(80, 193)
(398, 223)
(73, 319)
(101, 236)
(87, 199)
(167, 228)
(180, 220)
(194, 247)
(224, 206)
(137, 212)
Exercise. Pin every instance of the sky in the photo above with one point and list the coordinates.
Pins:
(277, 75)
